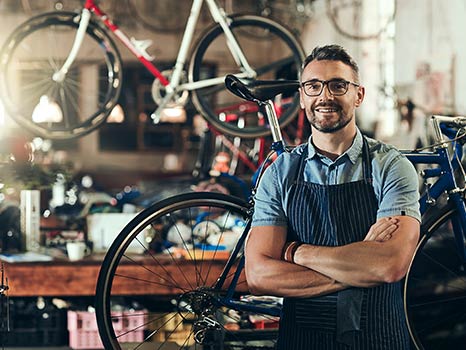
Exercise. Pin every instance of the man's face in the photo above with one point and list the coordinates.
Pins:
(326, 112)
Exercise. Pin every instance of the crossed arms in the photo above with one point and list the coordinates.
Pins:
(382, 257)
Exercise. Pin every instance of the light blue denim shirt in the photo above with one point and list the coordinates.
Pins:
(395, 180)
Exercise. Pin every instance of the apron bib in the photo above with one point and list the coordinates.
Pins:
(355, 318)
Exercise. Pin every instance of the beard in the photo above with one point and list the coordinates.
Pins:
(324, 125)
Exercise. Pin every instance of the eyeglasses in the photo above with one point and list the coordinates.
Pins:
(337, 87)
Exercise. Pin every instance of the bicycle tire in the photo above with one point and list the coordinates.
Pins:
(167, 325)
(284, 63)
(435, 287)
(37, 49)
(158, 16)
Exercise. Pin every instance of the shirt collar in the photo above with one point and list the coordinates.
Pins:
(352, 153)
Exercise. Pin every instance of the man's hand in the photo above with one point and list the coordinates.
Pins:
(369, 262)
(382, 230)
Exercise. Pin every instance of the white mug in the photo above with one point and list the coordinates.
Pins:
(76, 250)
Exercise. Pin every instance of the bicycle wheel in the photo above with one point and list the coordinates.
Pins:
(271, 50)
(435, 287)
(59, 109)
(156, 285)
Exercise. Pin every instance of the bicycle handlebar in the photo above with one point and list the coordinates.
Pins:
(458, 121)
(445, 125)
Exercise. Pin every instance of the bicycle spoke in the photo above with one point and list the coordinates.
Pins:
(436, 283)
(439, 264)
(174, 283)
(148, 281)
(168, 337)
(35, 51)
(161, 327)
(439, 321)
(438, 301)
(217, 246)
(184, 243)
(435, 294)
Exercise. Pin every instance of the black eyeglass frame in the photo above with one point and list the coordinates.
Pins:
(326, 82)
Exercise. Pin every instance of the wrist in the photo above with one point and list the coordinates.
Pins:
(297, 255)
(305, 254)
(289, 251)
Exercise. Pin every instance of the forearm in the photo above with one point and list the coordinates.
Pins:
(267, 273)
(281, 278)
(366, 263)
(356, 264)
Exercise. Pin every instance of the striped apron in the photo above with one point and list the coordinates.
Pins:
(356, 318)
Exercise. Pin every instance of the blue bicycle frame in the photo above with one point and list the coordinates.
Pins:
(446, 183)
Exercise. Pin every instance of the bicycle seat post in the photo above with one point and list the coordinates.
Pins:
(273, 121)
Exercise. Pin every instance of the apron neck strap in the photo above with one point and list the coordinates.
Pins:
(366, 162)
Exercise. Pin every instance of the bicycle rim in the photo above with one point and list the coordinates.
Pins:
(435, 288)
(155, 286)
(271, 50)
(59, 109)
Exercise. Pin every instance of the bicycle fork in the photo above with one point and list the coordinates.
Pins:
(174, 86)
(83, 23)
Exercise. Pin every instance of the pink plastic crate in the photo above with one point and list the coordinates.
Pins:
(83, 331)
(80, 339)
(133, 320)
(82, 320)
(91, 340)
(134, 336)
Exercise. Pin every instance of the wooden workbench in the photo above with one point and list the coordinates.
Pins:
(61, 278)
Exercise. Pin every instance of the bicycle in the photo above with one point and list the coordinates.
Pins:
(212, 223)
(69, 58)
(195, 232)
(435, 285)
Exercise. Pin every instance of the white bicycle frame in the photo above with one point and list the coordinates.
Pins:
(173, 85)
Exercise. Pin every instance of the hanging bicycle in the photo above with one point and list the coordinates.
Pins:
(69, 60)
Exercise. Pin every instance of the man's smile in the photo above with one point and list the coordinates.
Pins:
(326, 109)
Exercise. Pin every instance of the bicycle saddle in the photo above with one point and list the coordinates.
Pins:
(260, 90)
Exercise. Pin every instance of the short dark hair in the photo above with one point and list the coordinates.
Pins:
(332, 53)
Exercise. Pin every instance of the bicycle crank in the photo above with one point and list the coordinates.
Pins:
(159, 92)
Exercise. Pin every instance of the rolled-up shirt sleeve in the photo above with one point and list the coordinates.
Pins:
(400, 189)
(268, 207)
